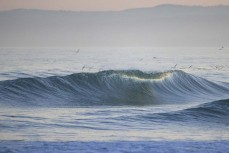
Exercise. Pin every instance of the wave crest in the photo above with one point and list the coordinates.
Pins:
(111, 88)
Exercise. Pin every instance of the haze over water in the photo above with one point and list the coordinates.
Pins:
(115, 95)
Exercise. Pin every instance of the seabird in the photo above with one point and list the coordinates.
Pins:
(174, 66)
(83, 67)
(77, 51)
(221, 48)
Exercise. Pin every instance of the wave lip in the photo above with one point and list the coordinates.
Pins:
(111, 88)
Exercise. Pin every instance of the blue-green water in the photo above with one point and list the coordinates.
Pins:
(114, 100)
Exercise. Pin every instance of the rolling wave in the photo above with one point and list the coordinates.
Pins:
(217, 111)
(212, 112)
(111, 88)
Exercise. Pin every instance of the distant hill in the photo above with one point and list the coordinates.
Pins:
(164, 25)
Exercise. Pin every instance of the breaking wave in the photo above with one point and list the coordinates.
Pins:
(111, 88)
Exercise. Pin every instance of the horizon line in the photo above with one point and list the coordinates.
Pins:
(161, 5)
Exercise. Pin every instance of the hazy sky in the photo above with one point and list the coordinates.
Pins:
(99, 5)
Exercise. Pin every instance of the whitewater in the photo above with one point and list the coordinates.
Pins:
(114, 100)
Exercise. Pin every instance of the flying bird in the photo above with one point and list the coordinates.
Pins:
(78, 50)
(221, 48)
(174, 66)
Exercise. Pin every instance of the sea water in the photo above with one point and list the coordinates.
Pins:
(114, 100)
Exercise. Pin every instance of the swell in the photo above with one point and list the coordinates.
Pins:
(111, 88)
(212, 112)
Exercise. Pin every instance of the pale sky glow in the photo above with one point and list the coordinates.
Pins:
(99, 5)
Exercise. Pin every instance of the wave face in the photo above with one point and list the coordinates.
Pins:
(111, 88)
(212, 112)
(217, 111)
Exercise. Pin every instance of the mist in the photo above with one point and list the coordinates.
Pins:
(161, 26)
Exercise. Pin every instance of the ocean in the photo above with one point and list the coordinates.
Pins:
(118, 100)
